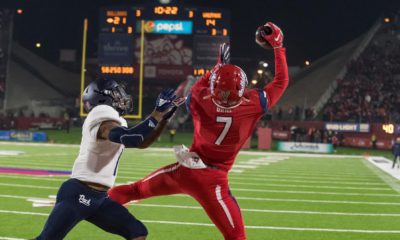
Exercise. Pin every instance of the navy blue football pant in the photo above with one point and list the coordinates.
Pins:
(77, 202)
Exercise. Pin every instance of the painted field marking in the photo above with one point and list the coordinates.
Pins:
(61, 179)
(310, 186)
(385, 165)
(27, 186)
(388, 179)
(242, 190)
(10, 153)
(286, 176)
(11, 238)
(314, 192)
(245, 153)
(313, 201)
(263, 199)
(273, 173)
(248, 227)
(269, 179)
(38, 178)
(273, 210)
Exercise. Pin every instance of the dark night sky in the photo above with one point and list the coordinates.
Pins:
(312, 28)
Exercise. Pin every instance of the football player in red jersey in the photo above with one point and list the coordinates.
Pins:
(224, 114)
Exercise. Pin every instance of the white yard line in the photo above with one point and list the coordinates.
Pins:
(310, 186)
(248, 227)
(247, 153)
(242, 190)
(313, 201)
(274, 211)
(38, 178)
(262, 172)
(63, 178)
(269, 179)
(314, 192)
(27, 186)
(11, 238)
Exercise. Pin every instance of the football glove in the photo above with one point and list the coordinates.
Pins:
(176, 103)
(224, 55)
(165, 100)
(274, 37)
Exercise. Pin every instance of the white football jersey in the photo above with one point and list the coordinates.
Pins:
(98, 159)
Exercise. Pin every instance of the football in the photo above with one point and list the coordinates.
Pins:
(263, 30)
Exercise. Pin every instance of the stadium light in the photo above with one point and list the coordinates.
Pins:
(38, 45)
(254, 81)
(264, 64)
(260, 71)
(20, 11)
(307, 63)
(386, 20)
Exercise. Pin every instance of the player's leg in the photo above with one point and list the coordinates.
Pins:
(210, 188)
(65, 214)
(61, 220)
(114, 218)
(158, 183)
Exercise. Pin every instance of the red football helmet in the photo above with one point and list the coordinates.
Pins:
(227, 84)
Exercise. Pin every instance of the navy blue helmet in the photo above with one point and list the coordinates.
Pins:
(107, 92)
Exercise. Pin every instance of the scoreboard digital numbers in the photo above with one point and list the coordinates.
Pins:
(158, 43)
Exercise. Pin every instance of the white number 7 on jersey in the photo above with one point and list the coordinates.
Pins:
(228, 123)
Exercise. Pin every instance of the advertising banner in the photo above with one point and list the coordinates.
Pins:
(305, 147)
(166, 27)
(25, 136)
(348, 127)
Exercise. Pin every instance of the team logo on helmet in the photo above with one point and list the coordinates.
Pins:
(225, 95)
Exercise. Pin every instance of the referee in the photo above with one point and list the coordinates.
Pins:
(396, 152)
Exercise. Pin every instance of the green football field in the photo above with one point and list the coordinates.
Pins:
(283, 197)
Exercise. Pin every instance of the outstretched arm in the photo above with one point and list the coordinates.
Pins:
(277, 87)
(274, 39)
(146, 132)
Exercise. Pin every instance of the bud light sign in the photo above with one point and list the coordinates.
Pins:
(167, 27)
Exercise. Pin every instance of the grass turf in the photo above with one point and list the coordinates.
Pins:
(296, 198)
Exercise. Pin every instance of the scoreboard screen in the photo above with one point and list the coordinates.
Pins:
(177, 40)
(147, 47)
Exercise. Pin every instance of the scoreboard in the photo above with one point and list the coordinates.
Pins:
(153, 46)
(172, 41)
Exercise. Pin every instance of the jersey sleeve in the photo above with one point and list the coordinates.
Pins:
(98, 115)
(275, 89)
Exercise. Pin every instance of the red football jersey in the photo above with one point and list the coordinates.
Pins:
(219, 133)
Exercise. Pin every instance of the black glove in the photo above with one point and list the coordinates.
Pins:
(165, 100)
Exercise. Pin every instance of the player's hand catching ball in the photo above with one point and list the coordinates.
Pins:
(269, 36)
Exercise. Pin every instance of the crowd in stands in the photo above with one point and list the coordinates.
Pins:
(369, 92)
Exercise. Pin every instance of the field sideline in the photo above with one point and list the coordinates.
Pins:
(282, 196)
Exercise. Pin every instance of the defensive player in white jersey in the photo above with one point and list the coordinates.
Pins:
(104, 136)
